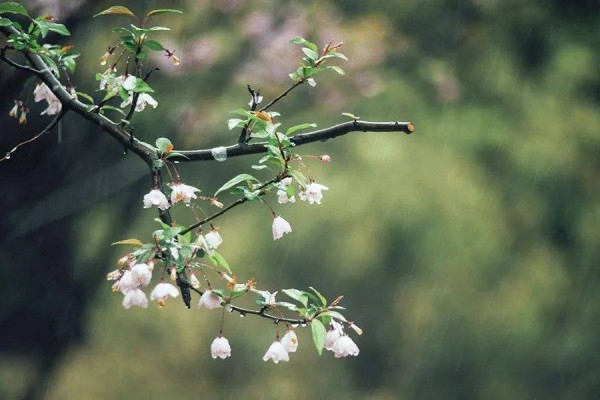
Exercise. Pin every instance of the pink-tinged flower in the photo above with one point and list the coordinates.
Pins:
(276, 353)
(183, 192)
(220, 348)
(156, 198)
(173, 273)
(213, 238)
(280, 227)
(127, 283)
(313, 193)
(142, 273)
(335, 331)
(162, 292)
(344, 347)
(43, 92)
(135, 298)
(210, 300)
(283, 198)
(114, 275)
(290, 341)
(325, 158)
(143, 100)
(287, 181)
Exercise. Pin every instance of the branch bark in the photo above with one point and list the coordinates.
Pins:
(141, 149)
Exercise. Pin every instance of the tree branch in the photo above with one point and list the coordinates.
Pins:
(46, 130)
(145, 152)
(261, 313)
(300, 139)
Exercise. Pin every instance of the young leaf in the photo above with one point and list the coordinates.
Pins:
(154, 45)
(300, 40)
(336, 69)
(142, 87)
(5, 22)
(298, 295)
(85, 96)
(163, 11)
(234, 122)
(164, 145)
(219, 261)
(116, 10)
(320, 296)
(336, 315)
(234, 181)
(350, 115)
(299, 127)
(159, 28)
(318, 334)
(133, 242)
(311, 54)
(12, 8)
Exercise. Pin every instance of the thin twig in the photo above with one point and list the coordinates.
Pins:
(236, 203)
(46, 130)
(261, 313)
(282, 95)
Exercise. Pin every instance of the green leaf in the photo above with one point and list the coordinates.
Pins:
(320, 296)
(234, 123)
(116, 10)
(112, 108)
(335, 68)
(336, 315)
(338, 55)
(85, 96)
(142, 87)
(159, 28)
(164, 145)
(218, 260)
(350, 115)
(299, 177)
(133, 242)
(163, 11)
(130, 47)
(47, 26)
(318, 334)
(12, 8)
(5, 22)
(300, 40)
(121, 30)
(297, 295)
(154, 45)
(310, 53)
(299, 127)
(236, 180)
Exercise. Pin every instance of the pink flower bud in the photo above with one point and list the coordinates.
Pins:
(325, 158)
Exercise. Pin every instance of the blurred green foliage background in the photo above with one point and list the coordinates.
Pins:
(468, 252)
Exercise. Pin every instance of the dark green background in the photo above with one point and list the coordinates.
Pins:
(468, 252)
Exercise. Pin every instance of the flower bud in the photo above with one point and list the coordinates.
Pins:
(325, 158)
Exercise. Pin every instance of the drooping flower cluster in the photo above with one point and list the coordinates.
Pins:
(339, 343)
(138, 275)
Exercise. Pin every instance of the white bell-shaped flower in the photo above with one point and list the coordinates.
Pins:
(135, 298)
(183, 192)
(280, 227)
(276, 352)
(213, 238)
(220, 348)
(162, 292)
(156, 198)
(210, 300)
(290, 341)
(344, 347)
